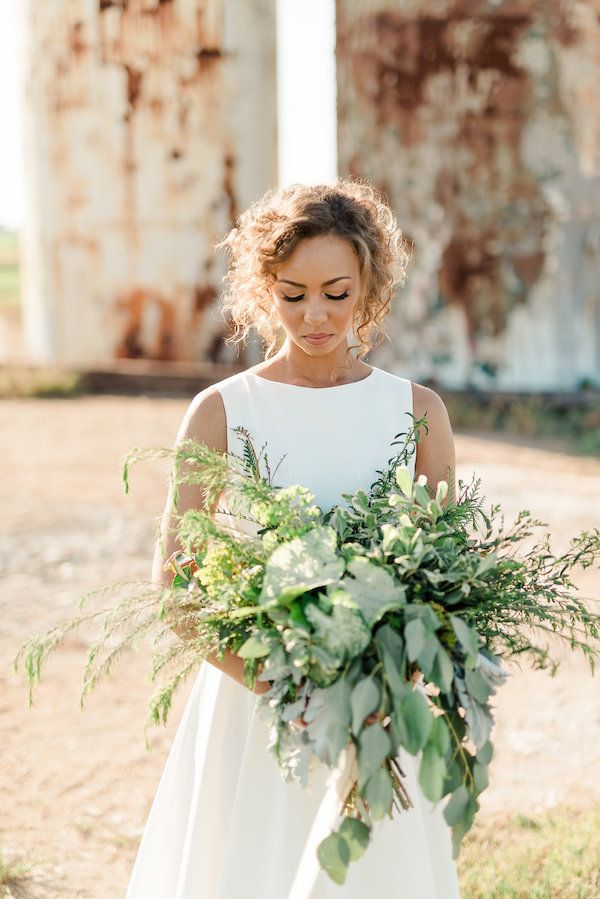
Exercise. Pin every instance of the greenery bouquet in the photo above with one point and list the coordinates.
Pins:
(380, 625)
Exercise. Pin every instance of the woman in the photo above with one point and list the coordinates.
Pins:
(310, 265)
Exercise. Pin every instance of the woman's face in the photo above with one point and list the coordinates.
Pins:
(316, 293)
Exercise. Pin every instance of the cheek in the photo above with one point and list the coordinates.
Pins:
(349, 308)
(288, 314)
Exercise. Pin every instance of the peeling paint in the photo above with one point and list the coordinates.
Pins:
(149, 328)
(480, 123)
(141, 150)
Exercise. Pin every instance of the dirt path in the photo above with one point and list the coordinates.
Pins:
(76, 787)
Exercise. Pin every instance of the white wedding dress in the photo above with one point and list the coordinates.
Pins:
(224, 824)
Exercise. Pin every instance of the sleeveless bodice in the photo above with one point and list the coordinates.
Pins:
(333, 440)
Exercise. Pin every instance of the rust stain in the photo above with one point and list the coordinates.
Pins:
(137, 303)
(157, 105)
(391, 60)
(140, 52)
(207, 57)
(204, 296)
(134, 85)
(469, 276)
(528, 266)
(77, 43)
(106, 4)
(228, 187)
(395, 63)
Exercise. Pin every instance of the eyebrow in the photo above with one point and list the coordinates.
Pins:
(324, 284)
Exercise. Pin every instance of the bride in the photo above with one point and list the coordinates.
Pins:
(309, 267)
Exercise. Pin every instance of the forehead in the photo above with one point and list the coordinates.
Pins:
(320, 258)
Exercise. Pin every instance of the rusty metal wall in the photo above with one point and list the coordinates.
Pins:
(149, 124)
(481, 122)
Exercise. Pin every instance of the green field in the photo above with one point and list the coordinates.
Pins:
(10, 285)
(554, 855)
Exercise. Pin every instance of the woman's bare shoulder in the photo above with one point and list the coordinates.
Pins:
(426, 402)
(205, 419)
(435, 450)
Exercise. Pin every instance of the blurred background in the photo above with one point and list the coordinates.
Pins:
(133, 133)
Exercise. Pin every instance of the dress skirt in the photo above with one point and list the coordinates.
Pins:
(224, 824)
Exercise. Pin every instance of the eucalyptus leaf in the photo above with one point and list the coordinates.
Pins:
(466, 635)
(443, 670)
(379, 793)
(394, 675)
(480, 776)
(457, 805)
(478, 717)
(413, 721)
(328, 715)
(440, 735)
(373, 747)
(454, 776)
(427, 659)
(462, 826)
(415, 635)
(485, 753)
(365, 699)
(428, 616)
(432, 773)
(356, 834)
(334, 855)
(388, 638)
(478, 686)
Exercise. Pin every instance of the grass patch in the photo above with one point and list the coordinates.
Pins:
(12, 873)
(573, 420)
(19, 383)
(554, 855)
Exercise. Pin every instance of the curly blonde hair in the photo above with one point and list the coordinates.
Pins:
(268, 232)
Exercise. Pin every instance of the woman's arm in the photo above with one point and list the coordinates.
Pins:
(436, 455)
(204, 421)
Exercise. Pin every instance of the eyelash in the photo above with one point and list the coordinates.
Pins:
(342, 296)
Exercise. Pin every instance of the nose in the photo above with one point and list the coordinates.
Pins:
(315, 313)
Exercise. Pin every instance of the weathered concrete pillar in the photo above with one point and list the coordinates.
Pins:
(481, 122)
(149, 125)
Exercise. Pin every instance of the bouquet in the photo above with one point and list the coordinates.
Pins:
(377, 625)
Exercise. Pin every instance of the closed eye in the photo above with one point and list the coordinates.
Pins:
(341, 296)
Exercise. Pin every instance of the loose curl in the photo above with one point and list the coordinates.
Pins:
(268, 232)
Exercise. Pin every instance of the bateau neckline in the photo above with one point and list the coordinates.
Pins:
(317, 389)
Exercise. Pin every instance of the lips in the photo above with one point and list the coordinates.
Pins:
(317, 339)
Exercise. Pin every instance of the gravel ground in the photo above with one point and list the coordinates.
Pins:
(76, 787)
